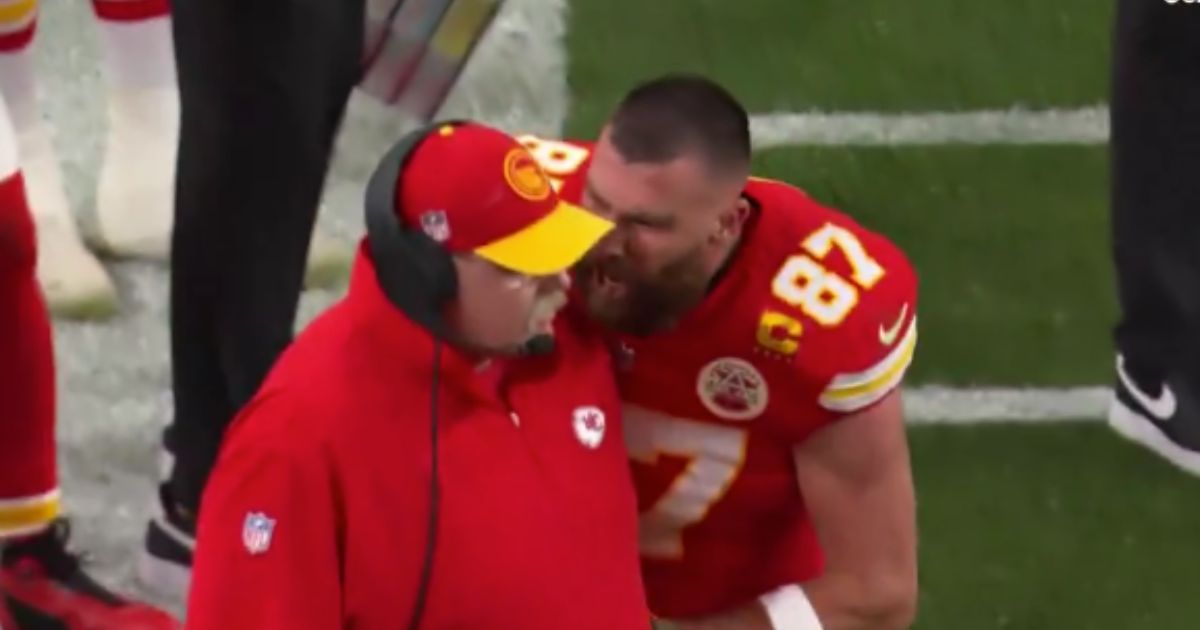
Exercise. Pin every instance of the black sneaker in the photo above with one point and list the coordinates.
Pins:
(44, 587)
(1159, 413)
(164, 565)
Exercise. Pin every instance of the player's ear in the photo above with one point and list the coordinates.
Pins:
(731, 221)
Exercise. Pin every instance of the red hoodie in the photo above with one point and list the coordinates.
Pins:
(316, 514)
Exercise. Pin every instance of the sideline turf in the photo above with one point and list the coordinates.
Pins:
(838, 55)
(1011, 244)
(1053, 526)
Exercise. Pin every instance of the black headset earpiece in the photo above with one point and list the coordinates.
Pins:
(413, 270)
(417, 276)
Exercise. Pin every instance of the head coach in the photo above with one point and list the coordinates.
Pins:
(439, 449)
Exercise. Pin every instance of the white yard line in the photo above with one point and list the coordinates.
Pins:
(1088, 125)
(947, 405)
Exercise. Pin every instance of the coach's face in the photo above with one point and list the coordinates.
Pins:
(674, 221)
(498, 310)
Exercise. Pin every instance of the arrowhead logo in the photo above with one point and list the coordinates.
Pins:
(887, 336)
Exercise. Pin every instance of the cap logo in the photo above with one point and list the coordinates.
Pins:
(524, 175)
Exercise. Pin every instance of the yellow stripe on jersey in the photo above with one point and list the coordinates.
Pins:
(16, 15)
(28, 515)
(851, 392)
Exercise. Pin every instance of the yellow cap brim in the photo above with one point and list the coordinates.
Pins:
(550, 246)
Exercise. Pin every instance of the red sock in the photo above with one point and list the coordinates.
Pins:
(28, 477)
(130, 10)
(16, 32)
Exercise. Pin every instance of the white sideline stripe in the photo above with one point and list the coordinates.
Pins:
(1088, 125)
(947, 405)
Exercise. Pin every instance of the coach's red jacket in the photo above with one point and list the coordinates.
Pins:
(316, 514)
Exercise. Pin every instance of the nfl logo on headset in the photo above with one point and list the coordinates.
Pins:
(257, 531)
(435, 225)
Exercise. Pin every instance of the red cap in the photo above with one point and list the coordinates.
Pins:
(477, 189)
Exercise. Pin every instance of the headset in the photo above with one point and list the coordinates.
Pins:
(417, 275)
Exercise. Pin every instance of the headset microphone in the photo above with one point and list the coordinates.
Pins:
(538, 345)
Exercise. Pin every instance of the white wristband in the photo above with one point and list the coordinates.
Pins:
(789, 609)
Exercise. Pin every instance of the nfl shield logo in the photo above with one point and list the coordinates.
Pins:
(256, 532)
(435, 225)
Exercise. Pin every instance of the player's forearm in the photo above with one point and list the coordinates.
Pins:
(832, 602)
(845, 602)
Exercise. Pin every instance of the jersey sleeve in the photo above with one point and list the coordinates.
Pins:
(869, 355)
(266, 553)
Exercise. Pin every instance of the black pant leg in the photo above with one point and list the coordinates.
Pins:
(1155, 116)
(263, 88)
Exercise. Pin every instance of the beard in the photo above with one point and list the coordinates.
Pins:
(621, 299)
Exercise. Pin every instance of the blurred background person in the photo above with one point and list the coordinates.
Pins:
(133, 197)
(1155, 121)
(42, 584)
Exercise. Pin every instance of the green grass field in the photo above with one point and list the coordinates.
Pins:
(1052, 527)
(1023, 526)
(836, 55)
(1011, 244)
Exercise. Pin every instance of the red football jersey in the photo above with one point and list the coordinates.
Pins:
(815, 318)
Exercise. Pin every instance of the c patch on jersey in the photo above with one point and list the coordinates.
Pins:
(732, 389)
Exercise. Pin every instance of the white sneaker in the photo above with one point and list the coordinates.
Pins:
(73, 281)
(1162, 415)
(136, 194)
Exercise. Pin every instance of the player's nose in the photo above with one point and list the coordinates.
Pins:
(612, 245)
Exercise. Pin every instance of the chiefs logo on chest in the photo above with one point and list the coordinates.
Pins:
(732, 389)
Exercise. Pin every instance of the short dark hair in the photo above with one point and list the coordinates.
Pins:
(661, 119)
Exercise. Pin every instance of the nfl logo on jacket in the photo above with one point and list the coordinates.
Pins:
(256, 532)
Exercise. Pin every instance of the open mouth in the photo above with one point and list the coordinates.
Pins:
(607, 279)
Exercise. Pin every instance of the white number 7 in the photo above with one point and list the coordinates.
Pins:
(715, 455)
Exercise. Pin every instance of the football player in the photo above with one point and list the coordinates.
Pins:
(763, 338)
(43, 585)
